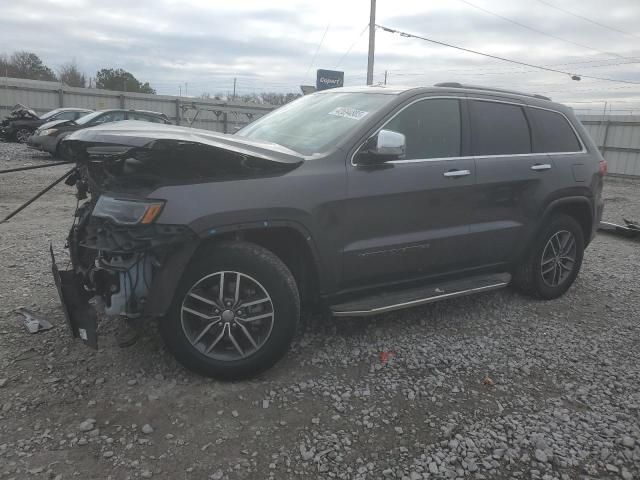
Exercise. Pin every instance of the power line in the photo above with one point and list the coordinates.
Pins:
(495, 72)
(352, 45)
(513, 69)
(476, 52)
(313, 59)
(522, 25)
(587, 19)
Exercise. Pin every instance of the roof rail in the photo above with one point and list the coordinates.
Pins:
(489, 89)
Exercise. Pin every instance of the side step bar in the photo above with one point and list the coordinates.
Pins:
(388, 302)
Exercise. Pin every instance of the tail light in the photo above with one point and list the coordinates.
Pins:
(603, 168)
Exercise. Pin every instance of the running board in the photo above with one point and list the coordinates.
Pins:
(388, 302)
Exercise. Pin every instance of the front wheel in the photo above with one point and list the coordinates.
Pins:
(234, 313)
(554, 261)
(22, 135)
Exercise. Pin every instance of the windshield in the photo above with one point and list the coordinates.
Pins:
(313, 123)
(87, 118)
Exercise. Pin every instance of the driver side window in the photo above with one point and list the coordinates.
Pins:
(431, 127)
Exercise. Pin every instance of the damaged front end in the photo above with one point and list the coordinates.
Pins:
(114, 259)
(124, 260)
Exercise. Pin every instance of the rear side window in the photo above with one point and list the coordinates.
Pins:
(498, 129)
(553, 133)
(431, 128)
(69, 115)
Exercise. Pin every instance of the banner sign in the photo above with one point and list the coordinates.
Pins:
(329, 79)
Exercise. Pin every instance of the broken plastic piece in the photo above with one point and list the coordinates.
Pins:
(33, 323)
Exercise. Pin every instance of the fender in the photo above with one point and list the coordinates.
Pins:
(564, 200)
(548, 209)
(167, 278)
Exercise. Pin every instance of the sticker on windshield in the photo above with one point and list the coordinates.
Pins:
(347, 112)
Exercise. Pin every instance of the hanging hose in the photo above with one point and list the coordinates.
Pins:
(33, 167)
(37, 196)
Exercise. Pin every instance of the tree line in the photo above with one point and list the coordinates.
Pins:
(28, 65)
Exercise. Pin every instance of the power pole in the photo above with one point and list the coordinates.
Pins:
(385, 77)
(372, 42)
(234, 88)
(186, 89)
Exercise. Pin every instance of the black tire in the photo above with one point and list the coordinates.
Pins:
(22, 135)
(255, 263)
(528, 277)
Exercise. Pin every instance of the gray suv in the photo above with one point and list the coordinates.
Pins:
(352, 201)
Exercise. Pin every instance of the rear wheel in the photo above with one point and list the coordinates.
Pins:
(234, 313)
(22, 135)
(554, 261)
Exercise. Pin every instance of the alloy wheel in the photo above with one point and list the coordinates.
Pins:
(558, 258)
(227, 315)
(23, 135)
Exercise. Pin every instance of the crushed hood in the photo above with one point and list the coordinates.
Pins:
(146, 135)
(133, 156)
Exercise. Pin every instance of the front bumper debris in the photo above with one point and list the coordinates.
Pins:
(81, 316)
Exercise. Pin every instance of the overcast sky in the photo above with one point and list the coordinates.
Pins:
(271, 46)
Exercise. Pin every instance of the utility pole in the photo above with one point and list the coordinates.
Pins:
(234, 88)
(372, 42)
(180, 87)
(385, 77)
(186, 89)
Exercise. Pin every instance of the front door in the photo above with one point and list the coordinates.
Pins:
(410, 218)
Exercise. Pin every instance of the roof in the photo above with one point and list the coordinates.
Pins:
(133, 110)
(438, 87)
(73, 109)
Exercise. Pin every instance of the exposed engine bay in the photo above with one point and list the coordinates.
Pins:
(119, 254)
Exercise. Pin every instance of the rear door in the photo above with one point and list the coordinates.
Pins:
(511, 179)
(410, 218)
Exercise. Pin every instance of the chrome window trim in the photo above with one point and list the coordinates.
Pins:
(440, 159)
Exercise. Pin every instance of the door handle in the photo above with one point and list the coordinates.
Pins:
(540, 167)
(457, 173)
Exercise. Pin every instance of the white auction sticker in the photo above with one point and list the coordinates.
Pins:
(347, 112)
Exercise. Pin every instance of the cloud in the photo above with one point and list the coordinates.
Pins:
(270, 46)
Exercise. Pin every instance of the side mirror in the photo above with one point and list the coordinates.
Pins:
(387, 145)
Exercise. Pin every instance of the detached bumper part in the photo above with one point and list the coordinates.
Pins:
(81, 316)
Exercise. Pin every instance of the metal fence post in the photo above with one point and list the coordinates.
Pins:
(225, 123)
(178, 119)
(603, 149)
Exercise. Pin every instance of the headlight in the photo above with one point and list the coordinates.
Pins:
(128, 212)
(49, 131)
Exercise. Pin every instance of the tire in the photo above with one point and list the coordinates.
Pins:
(544, 274)
(22, 135)
(241, 346)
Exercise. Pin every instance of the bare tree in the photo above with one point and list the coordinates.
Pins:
(70, 75)
(29, 65)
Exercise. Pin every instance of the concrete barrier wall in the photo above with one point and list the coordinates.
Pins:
(217, 115)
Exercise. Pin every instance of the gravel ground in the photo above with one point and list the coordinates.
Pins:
(491, 386)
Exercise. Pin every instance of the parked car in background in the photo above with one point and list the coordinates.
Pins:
(48, 137)
(358, 200)
(22, 121)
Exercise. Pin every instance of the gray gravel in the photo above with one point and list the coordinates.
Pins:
(491, 386)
